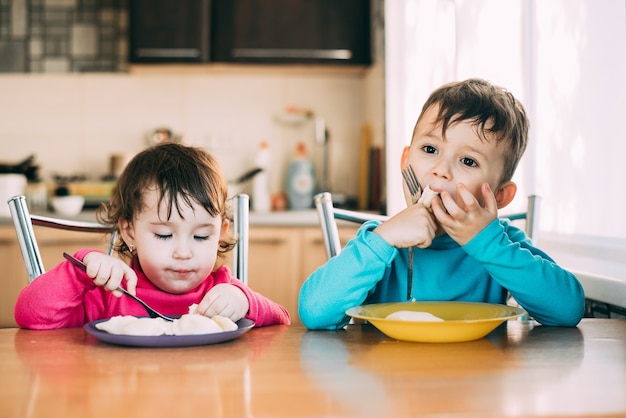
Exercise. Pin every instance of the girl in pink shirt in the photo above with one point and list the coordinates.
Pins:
(170, 210)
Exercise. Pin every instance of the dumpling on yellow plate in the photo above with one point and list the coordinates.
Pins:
(414, 316)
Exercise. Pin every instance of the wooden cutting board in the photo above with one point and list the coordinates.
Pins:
(364, 166)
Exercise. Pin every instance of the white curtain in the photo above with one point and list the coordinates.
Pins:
(564, 59)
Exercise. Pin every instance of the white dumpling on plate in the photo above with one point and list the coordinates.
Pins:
(188, 324)
(146, 327)
(192, 324)
(225, 323)
(116, 324)
(415, 316)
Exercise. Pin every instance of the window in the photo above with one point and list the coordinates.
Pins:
(566, 61)
(429, 43)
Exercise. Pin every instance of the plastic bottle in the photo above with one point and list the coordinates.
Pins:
(260, 182)
(300, 180)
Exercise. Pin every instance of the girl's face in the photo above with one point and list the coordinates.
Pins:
(461, 157)
(175, 254)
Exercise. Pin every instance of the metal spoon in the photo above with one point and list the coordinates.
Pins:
(151, 312)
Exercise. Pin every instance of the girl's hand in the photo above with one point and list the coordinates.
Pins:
(225, 300)
(108, 271)
(414, 226)
(463, 220)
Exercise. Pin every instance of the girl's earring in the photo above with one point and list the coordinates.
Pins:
(131, 247)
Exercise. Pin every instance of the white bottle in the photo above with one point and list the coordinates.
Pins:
(300, 180)
(260, 182)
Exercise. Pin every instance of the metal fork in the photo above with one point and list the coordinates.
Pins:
(412, 183)
(410, 179)
(151, 312)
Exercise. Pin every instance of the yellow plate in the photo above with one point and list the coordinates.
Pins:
(462, 321)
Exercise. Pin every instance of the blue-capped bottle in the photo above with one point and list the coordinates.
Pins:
(300, 180)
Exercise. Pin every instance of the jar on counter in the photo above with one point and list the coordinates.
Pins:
(37, 195)
(300, 180)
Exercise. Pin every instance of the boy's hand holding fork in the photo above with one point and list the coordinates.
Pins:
(413, 226)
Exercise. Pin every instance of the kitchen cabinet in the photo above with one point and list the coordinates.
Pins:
(166, 31)
(291, 31)
(250, 31)
(52, 244)
(281, 258)
(14, 275)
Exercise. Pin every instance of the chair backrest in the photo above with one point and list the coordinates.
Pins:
(241, 222)
(328, 214)
(23, 222)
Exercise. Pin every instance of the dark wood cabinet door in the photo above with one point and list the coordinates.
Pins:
(169, 31)
(291, 31)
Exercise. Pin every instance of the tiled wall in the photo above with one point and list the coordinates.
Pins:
(75, 122)
(60, 36)
(74, 119)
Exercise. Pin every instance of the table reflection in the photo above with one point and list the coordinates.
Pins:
(368, 377)
(133, 380)
(520, 369)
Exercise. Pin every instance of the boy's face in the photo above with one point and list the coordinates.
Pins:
(461, 157)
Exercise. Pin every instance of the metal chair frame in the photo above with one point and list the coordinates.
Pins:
(328, 214)
(23, 222)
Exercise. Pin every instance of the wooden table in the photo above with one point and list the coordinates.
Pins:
(518, 370)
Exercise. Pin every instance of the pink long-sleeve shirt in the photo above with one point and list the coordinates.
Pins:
(66, 297)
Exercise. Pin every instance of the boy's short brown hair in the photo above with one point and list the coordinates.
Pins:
(493, 110)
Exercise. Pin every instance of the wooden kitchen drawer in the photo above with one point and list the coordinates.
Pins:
(281, 259)
(52, 244)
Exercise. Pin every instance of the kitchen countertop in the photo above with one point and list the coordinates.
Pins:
(284, 218)
(597, 262)
(280, 219)
(603, 280)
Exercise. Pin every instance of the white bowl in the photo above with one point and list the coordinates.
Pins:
(10, 185)
(68, 205)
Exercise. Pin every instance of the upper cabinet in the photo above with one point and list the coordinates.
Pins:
(291, 31)
(251, 31)
(168, 31)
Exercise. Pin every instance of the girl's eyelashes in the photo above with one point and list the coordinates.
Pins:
(196, 237)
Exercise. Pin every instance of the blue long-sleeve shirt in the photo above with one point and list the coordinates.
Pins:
(500, 259)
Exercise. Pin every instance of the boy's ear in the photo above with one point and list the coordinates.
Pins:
(405, 156)
(505, 194)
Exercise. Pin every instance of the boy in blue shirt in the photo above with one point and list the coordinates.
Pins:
(466, 145)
